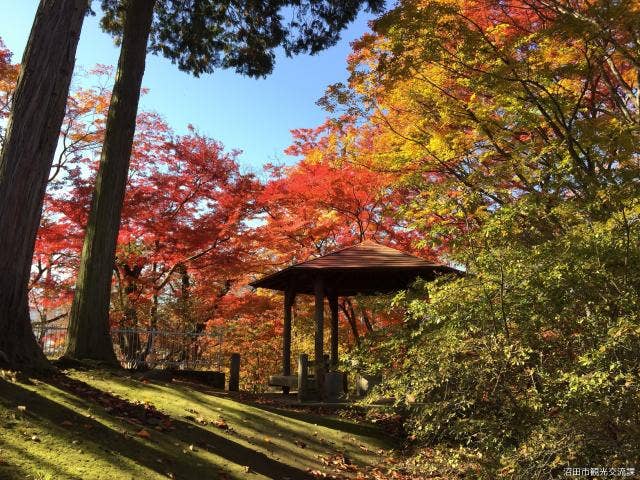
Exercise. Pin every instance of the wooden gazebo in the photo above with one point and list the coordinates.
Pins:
(367, 268)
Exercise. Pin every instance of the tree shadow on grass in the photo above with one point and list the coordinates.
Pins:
(315, 439)
(239, 454)
(97, 440)
(270, 432)
(188, 434)
(363, 430)
(286, 432)
(14, 472)
(304, 414)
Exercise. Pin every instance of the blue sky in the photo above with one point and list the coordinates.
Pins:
(252, 115)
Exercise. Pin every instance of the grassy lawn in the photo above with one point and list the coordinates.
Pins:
(107, 425)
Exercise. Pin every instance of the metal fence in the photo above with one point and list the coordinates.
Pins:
(136, 348)
(52, 340)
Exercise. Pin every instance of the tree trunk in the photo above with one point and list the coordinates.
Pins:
(153, 325)
(185, 295)
(366, 320)
(25, 162)
(349, 314)
(89, 320)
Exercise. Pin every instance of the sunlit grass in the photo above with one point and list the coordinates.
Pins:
(61, 435)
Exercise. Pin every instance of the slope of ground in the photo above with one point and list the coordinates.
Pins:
(107, 425)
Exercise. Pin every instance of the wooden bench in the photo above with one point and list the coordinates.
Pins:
(289, 381)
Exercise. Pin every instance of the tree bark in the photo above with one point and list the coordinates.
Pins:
(350, 316)
(89, 336)
(25, 163)
(366, 320)
(185, 296)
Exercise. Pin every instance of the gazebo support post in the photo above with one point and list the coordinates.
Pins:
(289, 298)
(318, 287)
(333, 306)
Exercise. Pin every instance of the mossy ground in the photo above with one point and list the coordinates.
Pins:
(65, 433)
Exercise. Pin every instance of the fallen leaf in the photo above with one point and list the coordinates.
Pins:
(220, 423)
(317, 473)
(144, 434)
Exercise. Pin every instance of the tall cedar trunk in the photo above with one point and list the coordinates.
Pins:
(25, 162)
(89, 336)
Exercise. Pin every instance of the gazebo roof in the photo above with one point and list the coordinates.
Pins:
(366, 268)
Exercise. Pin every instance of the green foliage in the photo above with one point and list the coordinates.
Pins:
(513, 129)
(530, 362)
(200, 36)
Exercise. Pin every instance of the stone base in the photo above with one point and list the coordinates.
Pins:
(364, 383)
(334, 386)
